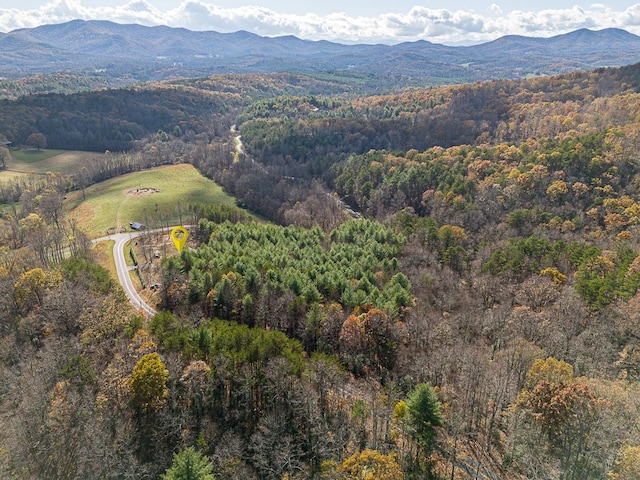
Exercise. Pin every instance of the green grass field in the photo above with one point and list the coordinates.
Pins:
(152, 197)
(31, 156)
(41, 162)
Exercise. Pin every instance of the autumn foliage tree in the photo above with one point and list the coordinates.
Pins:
(556, 406)
(627, 465)
(33, 284)
(565, 410)
(37, 140)
(148, 383)
(368, 340)
(370, 465)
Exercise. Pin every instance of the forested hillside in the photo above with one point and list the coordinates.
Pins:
(444, 284)
(121, 52)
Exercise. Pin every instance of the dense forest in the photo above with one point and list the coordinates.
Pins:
(443, 284)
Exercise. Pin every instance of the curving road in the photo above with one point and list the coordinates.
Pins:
(123, 272)
(123, 269)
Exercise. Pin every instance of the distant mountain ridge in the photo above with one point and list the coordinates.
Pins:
(161, 52)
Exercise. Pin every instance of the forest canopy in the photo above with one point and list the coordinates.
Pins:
(442, 283)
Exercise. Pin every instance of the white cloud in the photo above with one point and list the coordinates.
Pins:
(552, 22)
(436, 25)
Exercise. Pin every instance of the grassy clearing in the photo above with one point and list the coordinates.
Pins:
(32, 156)
(153, 197)
(103, 253)
(44, 161)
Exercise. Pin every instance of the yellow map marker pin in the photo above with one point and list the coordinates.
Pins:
(179, 236)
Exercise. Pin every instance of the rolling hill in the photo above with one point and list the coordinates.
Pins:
(162, 52)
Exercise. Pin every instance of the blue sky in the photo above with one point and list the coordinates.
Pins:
(450, 22)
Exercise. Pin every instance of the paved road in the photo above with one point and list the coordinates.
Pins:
(123, 270)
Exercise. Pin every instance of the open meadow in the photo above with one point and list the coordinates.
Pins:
(156, 197)
(41, 162)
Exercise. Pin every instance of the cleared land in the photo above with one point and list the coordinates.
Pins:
(103, 253)
(155, 197)
(44, 161)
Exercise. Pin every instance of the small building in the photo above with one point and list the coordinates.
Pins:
(137, 226)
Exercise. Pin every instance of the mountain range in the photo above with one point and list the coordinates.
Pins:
(161, 52)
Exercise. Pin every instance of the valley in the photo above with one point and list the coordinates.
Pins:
(476, 318)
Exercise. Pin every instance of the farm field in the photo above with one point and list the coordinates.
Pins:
(155, 197)
(65, 162)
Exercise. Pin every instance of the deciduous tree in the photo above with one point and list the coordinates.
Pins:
(32, 285)
(370, 465)
(37, 140)
(4, 156)
(148, 383)
(627, 465)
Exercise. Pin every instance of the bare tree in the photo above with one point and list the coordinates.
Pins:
(4, 156)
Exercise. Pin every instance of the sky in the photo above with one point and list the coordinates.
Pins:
(449, 22)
